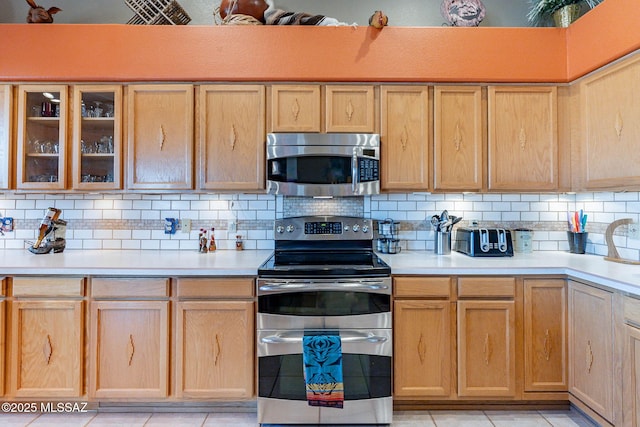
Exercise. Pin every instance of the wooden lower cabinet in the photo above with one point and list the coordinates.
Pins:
(422, 341)
(486, 349)
(45, 337)
(631, 377)
(214, 349)
(46, 348)
(129, 349)
(545, 335)
(591, 354)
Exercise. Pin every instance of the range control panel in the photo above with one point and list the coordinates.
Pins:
(323, 228)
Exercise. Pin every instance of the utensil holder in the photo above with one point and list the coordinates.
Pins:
(442, 243)
(577, 242)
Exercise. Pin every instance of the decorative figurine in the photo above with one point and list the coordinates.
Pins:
(378, 20)
(51, 234)
(38, 14)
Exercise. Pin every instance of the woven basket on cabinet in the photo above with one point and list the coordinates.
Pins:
(157, 12)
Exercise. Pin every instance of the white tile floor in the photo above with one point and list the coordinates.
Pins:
(569, 418)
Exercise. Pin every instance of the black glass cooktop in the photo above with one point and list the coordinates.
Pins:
(324, 263)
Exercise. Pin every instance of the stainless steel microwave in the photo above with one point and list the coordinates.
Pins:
(323, 164)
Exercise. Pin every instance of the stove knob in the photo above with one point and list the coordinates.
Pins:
(365, 228)
(346, 228)
(290, 228)
(355, 228)
(280, 229)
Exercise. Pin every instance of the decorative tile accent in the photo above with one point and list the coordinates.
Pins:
(136, 221)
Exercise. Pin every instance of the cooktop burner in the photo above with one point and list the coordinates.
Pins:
(324, 264)
(324, 246)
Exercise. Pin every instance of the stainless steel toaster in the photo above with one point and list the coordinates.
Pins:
(484, 242)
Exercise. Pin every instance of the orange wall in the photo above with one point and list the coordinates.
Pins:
(606, 33)
(60, 52)
(78, 52)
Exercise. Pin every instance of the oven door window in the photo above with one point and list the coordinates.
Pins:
(324, 303)
(364, 377)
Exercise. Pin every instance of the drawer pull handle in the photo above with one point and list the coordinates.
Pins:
(130, 349)
(218, 349)
(421, 349)
(547, 345)
(589, 357)
(487, 349)
(47, 349)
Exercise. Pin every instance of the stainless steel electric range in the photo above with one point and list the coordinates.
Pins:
(324, 278)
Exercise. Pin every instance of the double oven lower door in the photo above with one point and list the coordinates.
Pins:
(356, 309)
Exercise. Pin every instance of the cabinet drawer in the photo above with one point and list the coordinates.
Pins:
(129, 287)
(47, 286)
(425, 287)
(236, 287)
(632, 311)
(480, 287)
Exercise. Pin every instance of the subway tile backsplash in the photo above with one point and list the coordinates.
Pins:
(136, 221)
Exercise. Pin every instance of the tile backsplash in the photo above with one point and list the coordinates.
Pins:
(136, 221)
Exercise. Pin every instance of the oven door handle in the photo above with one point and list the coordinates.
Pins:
(363, 338)
(335, 286)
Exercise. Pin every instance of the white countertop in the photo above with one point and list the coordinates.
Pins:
(592, 268)
(133, 263)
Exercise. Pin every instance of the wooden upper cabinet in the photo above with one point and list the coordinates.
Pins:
(350, 108)
(405, 137)
(232, 137)
(610, 112)
(295, 108)
(459, 129)
(42, 137)
(97, 137)
(160, 121)
(6, 107)
(523, 138)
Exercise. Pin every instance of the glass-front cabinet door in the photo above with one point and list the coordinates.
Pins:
(97, 142)
(42, 136)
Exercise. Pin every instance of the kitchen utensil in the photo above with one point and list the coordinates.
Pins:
(442, 243)
(435, 221)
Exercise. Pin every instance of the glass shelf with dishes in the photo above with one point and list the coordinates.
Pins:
(97, 141)
(41, 137)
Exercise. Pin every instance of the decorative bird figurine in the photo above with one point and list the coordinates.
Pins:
(378, 19)
(37, 14)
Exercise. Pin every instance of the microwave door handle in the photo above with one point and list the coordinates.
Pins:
(354, 172)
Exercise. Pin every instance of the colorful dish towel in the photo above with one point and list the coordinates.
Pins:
(322, 357)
